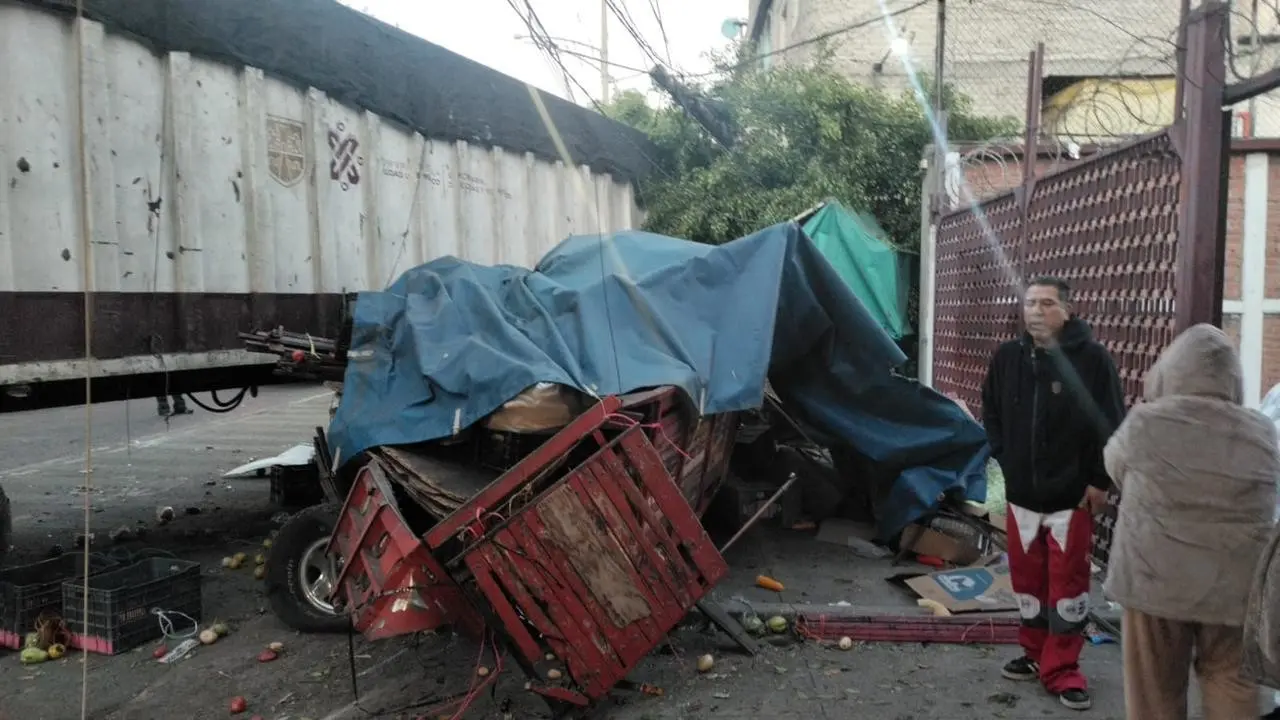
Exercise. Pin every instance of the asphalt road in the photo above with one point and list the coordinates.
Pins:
(141, 461)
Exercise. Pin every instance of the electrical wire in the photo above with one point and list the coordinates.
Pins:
(656, 8)
(867, 22)
(628, 23)
(86, 261)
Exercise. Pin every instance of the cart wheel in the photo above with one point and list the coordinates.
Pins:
(299, 574)
(6, 525)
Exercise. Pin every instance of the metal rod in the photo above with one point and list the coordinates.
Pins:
(1180, 59)
(940, 58)
(754, 518)
(777, 406)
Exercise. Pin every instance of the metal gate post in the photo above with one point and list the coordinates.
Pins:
(1202, 194)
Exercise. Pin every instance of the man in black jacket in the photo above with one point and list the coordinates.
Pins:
(1051, 400)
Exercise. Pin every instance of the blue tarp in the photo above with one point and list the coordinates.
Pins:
(451, 341)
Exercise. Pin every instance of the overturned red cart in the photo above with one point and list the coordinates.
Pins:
(581, 555)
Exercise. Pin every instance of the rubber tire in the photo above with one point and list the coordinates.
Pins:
(283, 591)
(6, 524)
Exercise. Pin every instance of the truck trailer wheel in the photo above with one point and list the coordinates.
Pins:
(300, 576)
(6, 524)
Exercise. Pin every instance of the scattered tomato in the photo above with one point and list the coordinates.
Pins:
(160, 651)
(267, 656)
(238, 705)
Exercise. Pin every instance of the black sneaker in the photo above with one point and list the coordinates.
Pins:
(1023, 668)
(1076, 700)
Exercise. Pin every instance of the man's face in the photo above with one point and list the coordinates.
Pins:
(1044, 312)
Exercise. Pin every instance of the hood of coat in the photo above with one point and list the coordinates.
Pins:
(1200, 362)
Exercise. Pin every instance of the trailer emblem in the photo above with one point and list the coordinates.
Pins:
(345, 164)
(286, 150)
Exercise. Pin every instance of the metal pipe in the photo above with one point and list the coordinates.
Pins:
(940, 58)
(754, 518)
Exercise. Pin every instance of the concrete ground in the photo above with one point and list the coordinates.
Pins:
(141, 462)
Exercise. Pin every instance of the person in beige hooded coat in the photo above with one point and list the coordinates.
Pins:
(1197, 475)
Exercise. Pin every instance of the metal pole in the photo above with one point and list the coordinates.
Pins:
(604, 52)
(1256, 47)
(791, 480)
(1180, 57)
(940, 58)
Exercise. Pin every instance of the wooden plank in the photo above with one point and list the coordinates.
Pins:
(526, 584)
(640, 455)
(691, 533)
(624, 646)
(567, 607)
(648, 534)
(731, 627)
(593, 555)
(486, 581)
(642, 571)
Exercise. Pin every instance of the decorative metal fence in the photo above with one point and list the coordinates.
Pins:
(1136, 230)
(1108, 226)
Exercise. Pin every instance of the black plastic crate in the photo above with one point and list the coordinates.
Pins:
(26, 591)
(121, 603)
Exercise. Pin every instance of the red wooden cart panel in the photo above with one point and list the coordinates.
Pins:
(390, 583)
(591, 575)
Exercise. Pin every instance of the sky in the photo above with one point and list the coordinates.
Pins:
(486, 31)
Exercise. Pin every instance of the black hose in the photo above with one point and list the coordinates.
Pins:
(219, 406)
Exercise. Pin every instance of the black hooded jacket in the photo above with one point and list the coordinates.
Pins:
(1048, 414)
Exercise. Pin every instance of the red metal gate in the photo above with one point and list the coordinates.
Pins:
(1136, 230)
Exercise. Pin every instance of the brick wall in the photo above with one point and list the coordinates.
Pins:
(1234, 270)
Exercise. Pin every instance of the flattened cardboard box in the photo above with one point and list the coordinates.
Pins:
(968, 589)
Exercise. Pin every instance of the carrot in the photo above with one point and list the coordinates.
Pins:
(768, 583)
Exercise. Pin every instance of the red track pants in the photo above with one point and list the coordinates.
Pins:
(1050, 577)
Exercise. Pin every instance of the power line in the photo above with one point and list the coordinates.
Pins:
(599, 60)
(542, 41)
(628, 24)
(879, 17)
(662, 28)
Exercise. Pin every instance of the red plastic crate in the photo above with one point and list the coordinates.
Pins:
(389, 582)
(590, 576)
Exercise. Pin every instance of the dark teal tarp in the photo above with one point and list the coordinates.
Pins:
(877, 272)
(451, 341)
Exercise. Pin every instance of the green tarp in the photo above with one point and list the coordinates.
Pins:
(878, 274)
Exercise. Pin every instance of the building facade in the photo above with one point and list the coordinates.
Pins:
(1109, 70)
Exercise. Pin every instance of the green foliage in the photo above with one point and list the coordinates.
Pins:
(804, 134)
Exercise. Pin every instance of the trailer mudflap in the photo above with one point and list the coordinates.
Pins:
(390, 584)
(589, 576)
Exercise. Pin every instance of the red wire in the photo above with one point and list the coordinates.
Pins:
(651, 426)
(477, 686)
